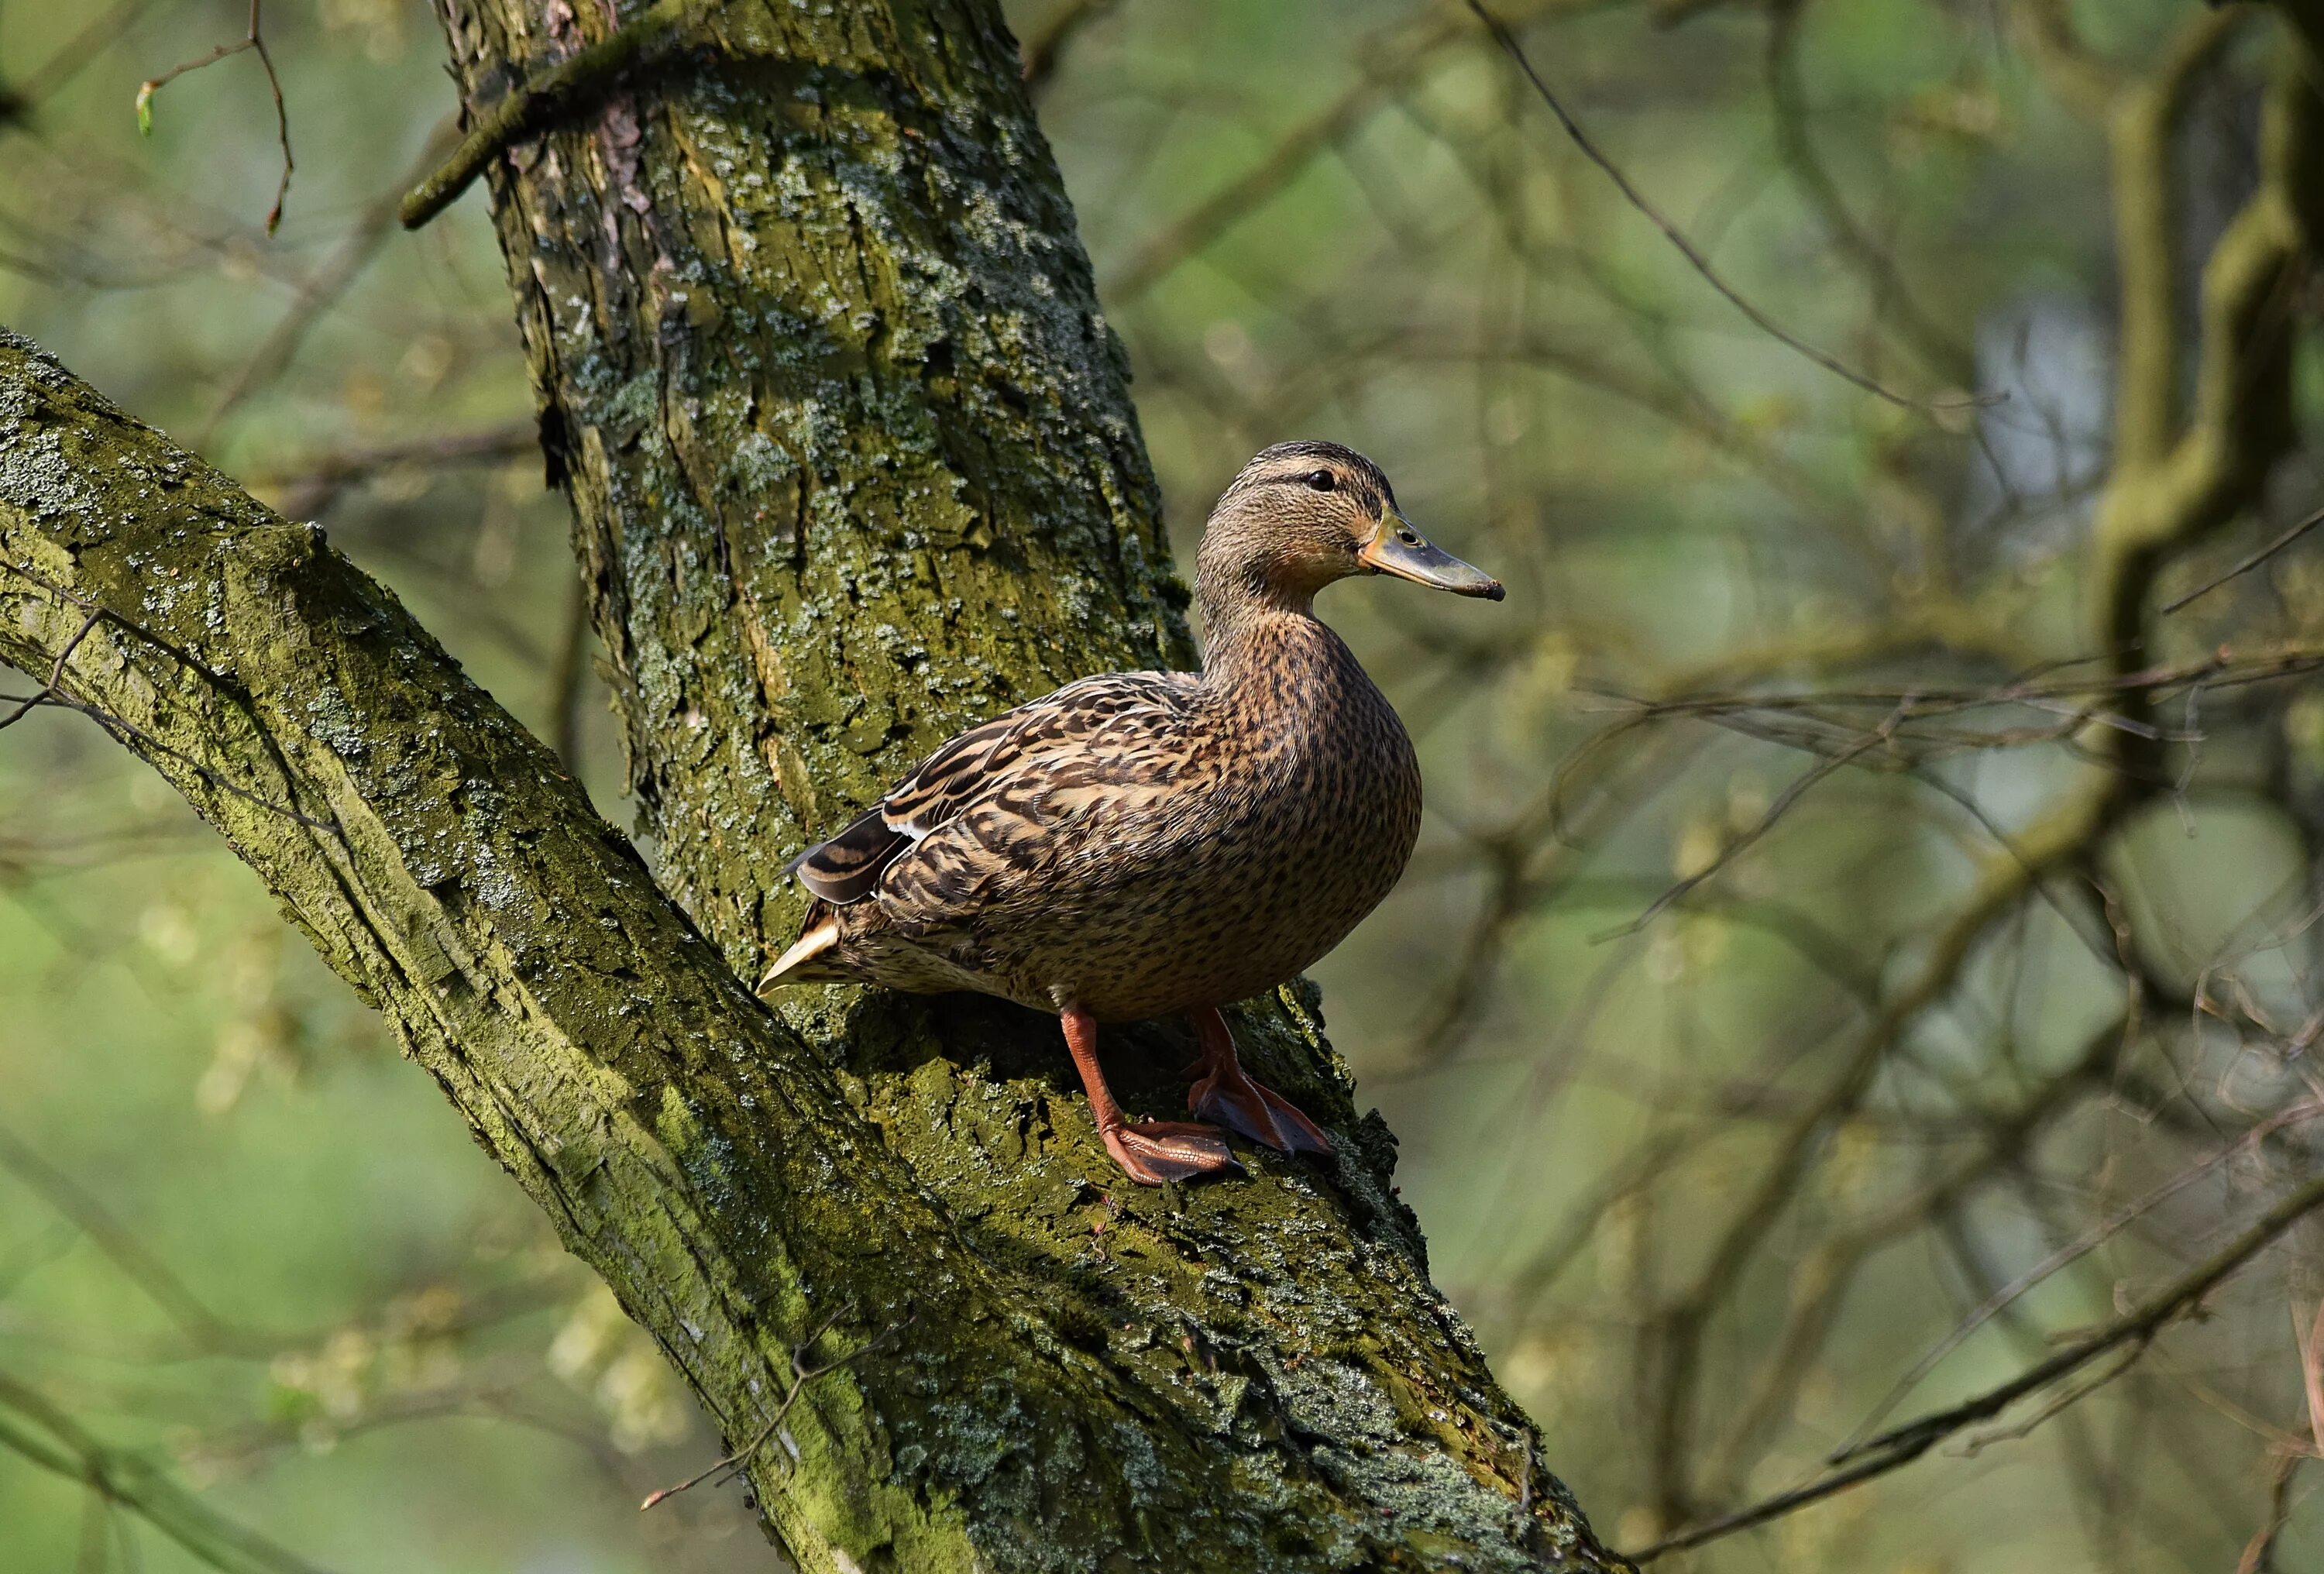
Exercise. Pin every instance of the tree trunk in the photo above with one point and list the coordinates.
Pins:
(853, 462)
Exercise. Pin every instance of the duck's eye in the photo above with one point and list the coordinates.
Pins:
(1323, 481)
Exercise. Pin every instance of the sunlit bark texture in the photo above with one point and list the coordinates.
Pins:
(851, 462)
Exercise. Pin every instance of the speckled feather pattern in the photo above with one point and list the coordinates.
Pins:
(1147, 843)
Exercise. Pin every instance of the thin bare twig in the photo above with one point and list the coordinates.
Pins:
(254, 41)
(2250, 563)
(127, 731)
(1693, 255)
(2137, 1329)
(1890, 295)
(47, 694)
(324, 288)
(2071, 1252)
(202, 1328)
(2259, 1552)
(802, 1375)
(307, 491)
(1387, 59)
(1783, 804)
(1819, 721)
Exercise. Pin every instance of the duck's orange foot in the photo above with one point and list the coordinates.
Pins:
(1227, 1095)
(1154, 1152)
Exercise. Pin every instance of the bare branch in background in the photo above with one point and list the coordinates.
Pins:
(308, 491)
(1892, 299)
(567, 676)
(202, 1328)
(323, 291)
(70, 59)
(1387, 60)
(1742, 843)
(1044, 46)
(2088, 1241)
(1832, 722)
(38, 1432)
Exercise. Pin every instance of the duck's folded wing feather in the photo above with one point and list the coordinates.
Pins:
(1098, 729)
(846, 868)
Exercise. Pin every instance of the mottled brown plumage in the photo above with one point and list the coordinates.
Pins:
(1144, 842)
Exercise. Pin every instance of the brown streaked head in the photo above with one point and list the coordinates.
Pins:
(1301, 515)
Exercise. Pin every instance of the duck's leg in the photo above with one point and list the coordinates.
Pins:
(1224, 1093)
(1150, 1152)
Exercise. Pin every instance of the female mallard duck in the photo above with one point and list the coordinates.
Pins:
(1144, 842)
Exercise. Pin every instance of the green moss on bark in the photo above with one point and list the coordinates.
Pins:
(853, 463)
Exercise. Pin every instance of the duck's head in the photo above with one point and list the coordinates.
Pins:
(1301, 515)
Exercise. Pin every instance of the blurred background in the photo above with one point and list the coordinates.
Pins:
(1787, 1027)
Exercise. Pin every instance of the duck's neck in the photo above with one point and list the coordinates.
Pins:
(1250, 633)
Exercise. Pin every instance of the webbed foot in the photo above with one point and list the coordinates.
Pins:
(1155, 1152)
(1228, 1096)
(1223, 1092)
(1152, 1153)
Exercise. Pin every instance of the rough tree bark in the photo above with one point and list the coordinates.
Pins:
(852, 462)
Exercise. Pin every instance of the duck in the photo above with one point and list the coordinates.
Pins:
(1139, 844)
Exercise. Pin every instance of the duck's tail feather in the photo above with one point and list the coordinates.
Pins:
(821, 934)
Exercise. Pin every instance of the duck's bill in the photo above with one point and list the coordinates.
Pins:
(1405, 552)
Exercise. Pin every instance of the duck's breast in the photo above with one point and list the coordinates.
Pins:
(1297, 808)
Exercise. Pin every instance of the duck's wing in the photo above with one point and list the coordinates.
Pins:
(1012, 774)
